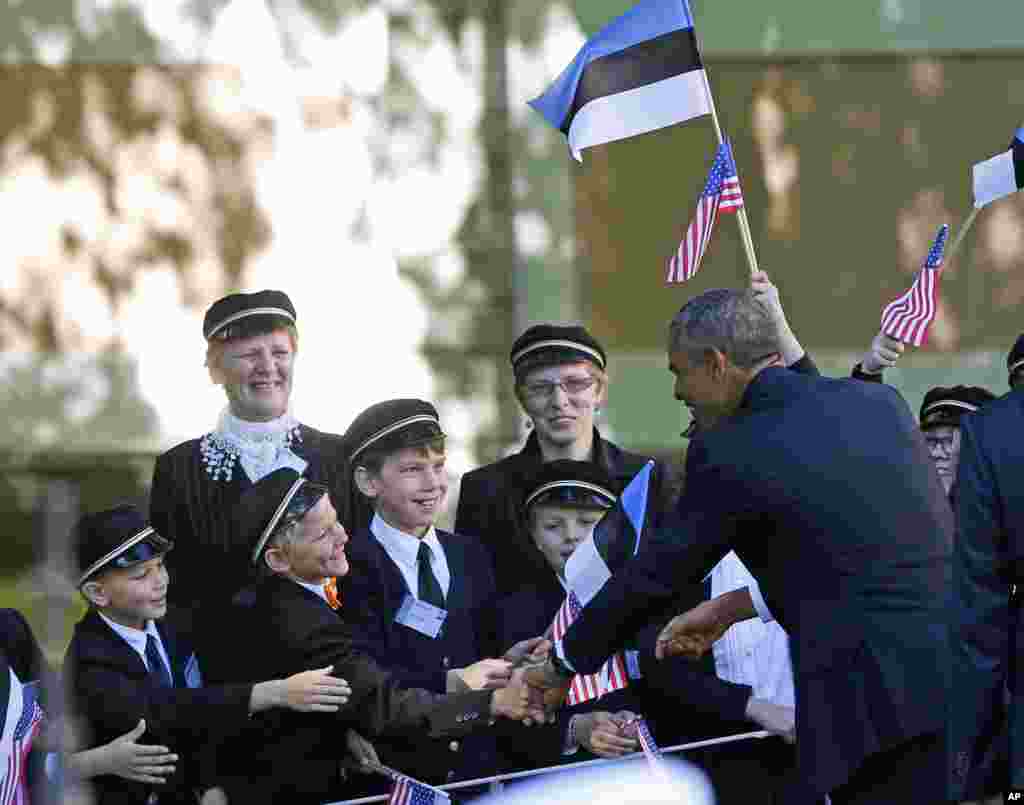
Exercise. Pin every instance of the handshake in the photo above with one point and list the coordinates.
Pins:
(527, 688)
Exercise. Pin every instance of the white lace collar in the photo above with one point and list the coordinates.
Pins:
(260, 447)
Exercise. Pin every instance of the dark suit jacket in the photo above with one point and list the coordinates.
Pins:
(111, 689)
(207, 564)
(989, 638)
(295, 756)
(490, 499)
(825, 490)
(372, 593)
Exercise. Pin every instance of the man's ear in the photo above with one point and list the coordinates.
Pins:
(366, 482)
(716, 362)
(95, 593)
(276, 560)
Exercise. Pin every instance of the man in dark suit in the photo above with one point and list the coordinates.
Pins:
(825, 491)
(988, 571)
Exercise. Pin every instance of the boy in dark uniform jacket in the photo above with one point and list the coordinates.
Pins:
(292, 618)
(124, 665)
(252, 342)
(406, 570)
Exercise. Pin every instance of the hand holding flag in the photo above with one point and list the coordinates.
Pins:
(721, 194)
(908, 317)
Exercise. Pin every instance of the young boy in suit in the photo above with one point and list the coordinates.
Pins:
(293, 617)
(421, 599)
(124, 664)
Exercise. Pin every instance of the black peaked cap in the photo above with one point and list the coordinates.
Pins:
(392, 425)
(945, 406)
(553, 344)
(238, 306)
(118, 537)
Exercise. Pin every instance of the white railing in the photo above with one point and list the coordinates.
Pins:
(496, 783)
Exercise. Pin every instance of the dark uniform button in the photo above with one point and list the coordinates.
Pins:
(446, 662)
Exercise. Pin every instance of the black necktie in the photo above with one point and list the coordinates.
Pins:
(157, 669)
(430, 590)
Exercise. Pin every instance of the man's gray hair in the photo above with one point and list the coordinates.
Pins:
(727, 320)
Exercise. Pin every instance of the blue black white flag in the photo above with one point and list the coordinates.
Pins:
(616, 539)
(1001, 175)
(639, 73)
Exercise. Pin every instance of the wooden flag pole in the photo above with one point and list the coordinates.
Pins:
(964, 229)
(741, 213)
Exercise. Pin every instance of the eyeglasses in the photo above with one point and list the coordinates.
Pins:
(572, 386)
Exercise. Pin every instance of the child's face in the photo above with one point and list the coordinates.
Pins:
(410, 490)
(557, 530)
(317, 551)
(133, 595)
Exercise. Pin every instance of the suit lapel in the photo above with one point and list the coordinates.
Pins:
(175, 653)
(387, 569)
(456, 571)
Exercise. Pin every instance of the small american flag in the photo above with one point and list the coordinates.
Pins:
(649, 747)
(585, 687)
(908, 318)
(721, 194)
(412, 792)
(23, 705)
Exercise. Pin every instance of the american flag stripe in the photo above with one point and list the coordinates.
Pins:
(908, 317)
(14, 790)
(586, 687)
(721, 194)
(408, 791)
(650, 748)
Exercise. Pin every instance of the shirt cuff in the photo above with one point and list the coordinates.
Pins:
(560, 653)
(763, 612)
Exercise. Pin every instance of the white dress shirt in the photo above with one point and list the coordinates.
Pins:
(314, 588)
(136, 638)
(403, 549)
(752, 652)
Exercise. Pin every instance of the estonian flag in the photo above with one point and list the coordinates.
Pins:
(616, 540)
(639, 73)
(1001, 175)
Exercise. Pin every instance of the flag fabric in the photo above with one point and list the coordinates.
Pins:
(1002, 174)
(639, 73)
(908, 317)
(649, 747)
(23, 719)
(615, 540)
(721, 193)
(412, 792)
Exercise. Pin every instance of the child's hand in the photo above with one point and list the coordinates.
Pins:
(142, 763)
(316, 691)
(361, 752)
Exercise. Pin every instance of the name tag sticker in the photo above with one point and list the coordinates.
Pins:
(419, 615)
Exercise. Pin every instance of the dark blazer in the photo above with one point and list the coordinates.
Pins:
(372, 593)
(988, 705)
(190, 507)
(111, 690)
(825, 490)
(295, 756)
(490, 499)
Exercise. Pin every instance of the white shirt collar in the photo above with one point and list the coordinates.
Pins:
(313, 588)
(231, 425)
(136, 638)
(260, 447)
(402, 547)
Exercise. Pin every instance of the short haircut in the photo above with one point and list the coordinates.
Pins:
(248, 328)
(373, 460)
(726, 320)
